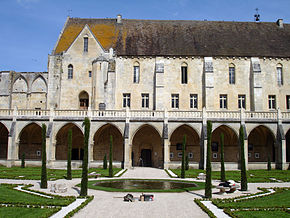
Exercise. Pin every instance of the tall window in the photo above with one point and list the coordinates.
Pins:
(288, 101)
(145, 100)
(223, 101)
(184, 73)
(193, 101)
(175, 100)
(86, 43)
(242, 101)
(232, 72)
(90, 73)
(272, 101)
(279, 75)
(126, 100)
(136, 76)
(70, 71)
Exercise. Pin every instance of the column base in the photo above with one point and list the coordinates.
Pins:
(10, 163)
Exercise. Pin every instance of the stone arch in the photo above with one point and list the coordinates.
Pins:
(39, 85)
(261, 144)
(102, 140)
(20, 85)
(62, 142)
(3, 141)
(147, 145)
(192, 143)
(135, 129)
(30, 142)
(172, 128)
(231, 144)
(83, 100)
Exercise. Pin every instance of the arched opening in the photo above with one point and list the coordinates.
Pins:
(30, 142)
(102, 143)
(84, 100)
(147, 149)
(192, 148)
(62, 143)
(231, 145)
(3, 141)
(288, 146)
(261, 145)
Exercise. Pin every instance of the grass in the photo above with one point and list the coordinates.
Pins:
(22, 212)
(262, 214)
(254, 176)
(9, 195)
(91, 185)
(34, 173)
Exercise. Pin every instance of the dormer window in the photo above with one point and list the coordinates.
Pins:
(86, 44)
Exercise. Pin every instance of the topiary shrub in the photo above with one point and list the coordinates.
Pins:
(183, 158)
(244, 183)
(23, 160)
(111, 157)
(43, 183)
(186, 162)
(269, 167)
(208, 192)
(105, 162)
(69, 139)
(223, 173)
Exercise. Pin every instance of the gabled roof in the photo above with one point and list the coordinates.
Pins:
(182, 38)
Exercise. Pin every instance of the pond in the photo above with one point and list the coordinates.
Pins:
(152, 185)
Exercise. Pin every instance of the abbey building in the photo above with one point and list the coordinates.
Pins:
(149, 83)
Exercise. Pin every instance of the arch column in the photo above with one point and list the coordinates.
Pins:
(166, 144)
(127, 146)
(281, 149)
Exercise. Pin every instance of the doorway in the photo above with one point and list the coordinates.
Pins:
(146, 158)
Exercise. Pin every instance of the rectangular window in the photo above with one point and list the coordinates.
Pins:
(193, 101)
(86, 42)
(223, 102)
(279, 76)
(175, 100)
(242, 101)
(272, 101)
(126, 99)
(183, 75)
(232, 75)
(90, 73)
(288, 101)
(145, 100)
(136, 74)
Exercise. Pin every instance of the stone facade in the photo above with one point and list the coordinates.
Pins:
(147, 102)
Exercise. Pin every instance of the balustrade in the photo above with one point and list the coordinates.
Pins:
(261, 115)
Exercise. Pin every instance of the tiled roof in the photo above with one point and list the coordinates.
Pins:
(173, 37)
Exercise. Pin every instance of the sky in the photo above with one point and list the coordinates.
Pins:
(30, 28)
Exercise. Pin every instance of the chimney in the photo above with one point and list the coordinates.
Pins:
(280, 23)
(119, 18)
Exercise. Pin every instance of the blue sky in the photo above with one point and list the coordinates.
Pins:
(30, 28)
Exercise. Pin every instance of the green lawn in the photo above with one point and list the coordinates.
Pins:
(34, 173)
(253, 175)
(279, 199)
(11, 196)
(91, 185)
(262, 214)
(22, 212)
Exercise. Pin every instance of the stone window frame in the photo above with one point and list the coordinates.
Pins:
(145, 100)
(223, 101)
(126, 100)
(288, 102)
(175, 101)
(184, 73)
(272, 102)
(136, 72)
(70, 71)
(242, 101)
(232, 74)
(279, 70)
(190, 155)
(86, 44)
(193, 101)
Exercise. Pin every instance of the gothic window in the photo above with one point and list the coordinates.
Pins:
(232, 73)
(70, 72)
(223, 102)
(279, 75)
(90, 73)
(136, 76)
(175, 100)
(184, 73)
(193, 101)
(272, 101)
(126, 100)
(242, 101)
(145, 100)
(86, 44)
